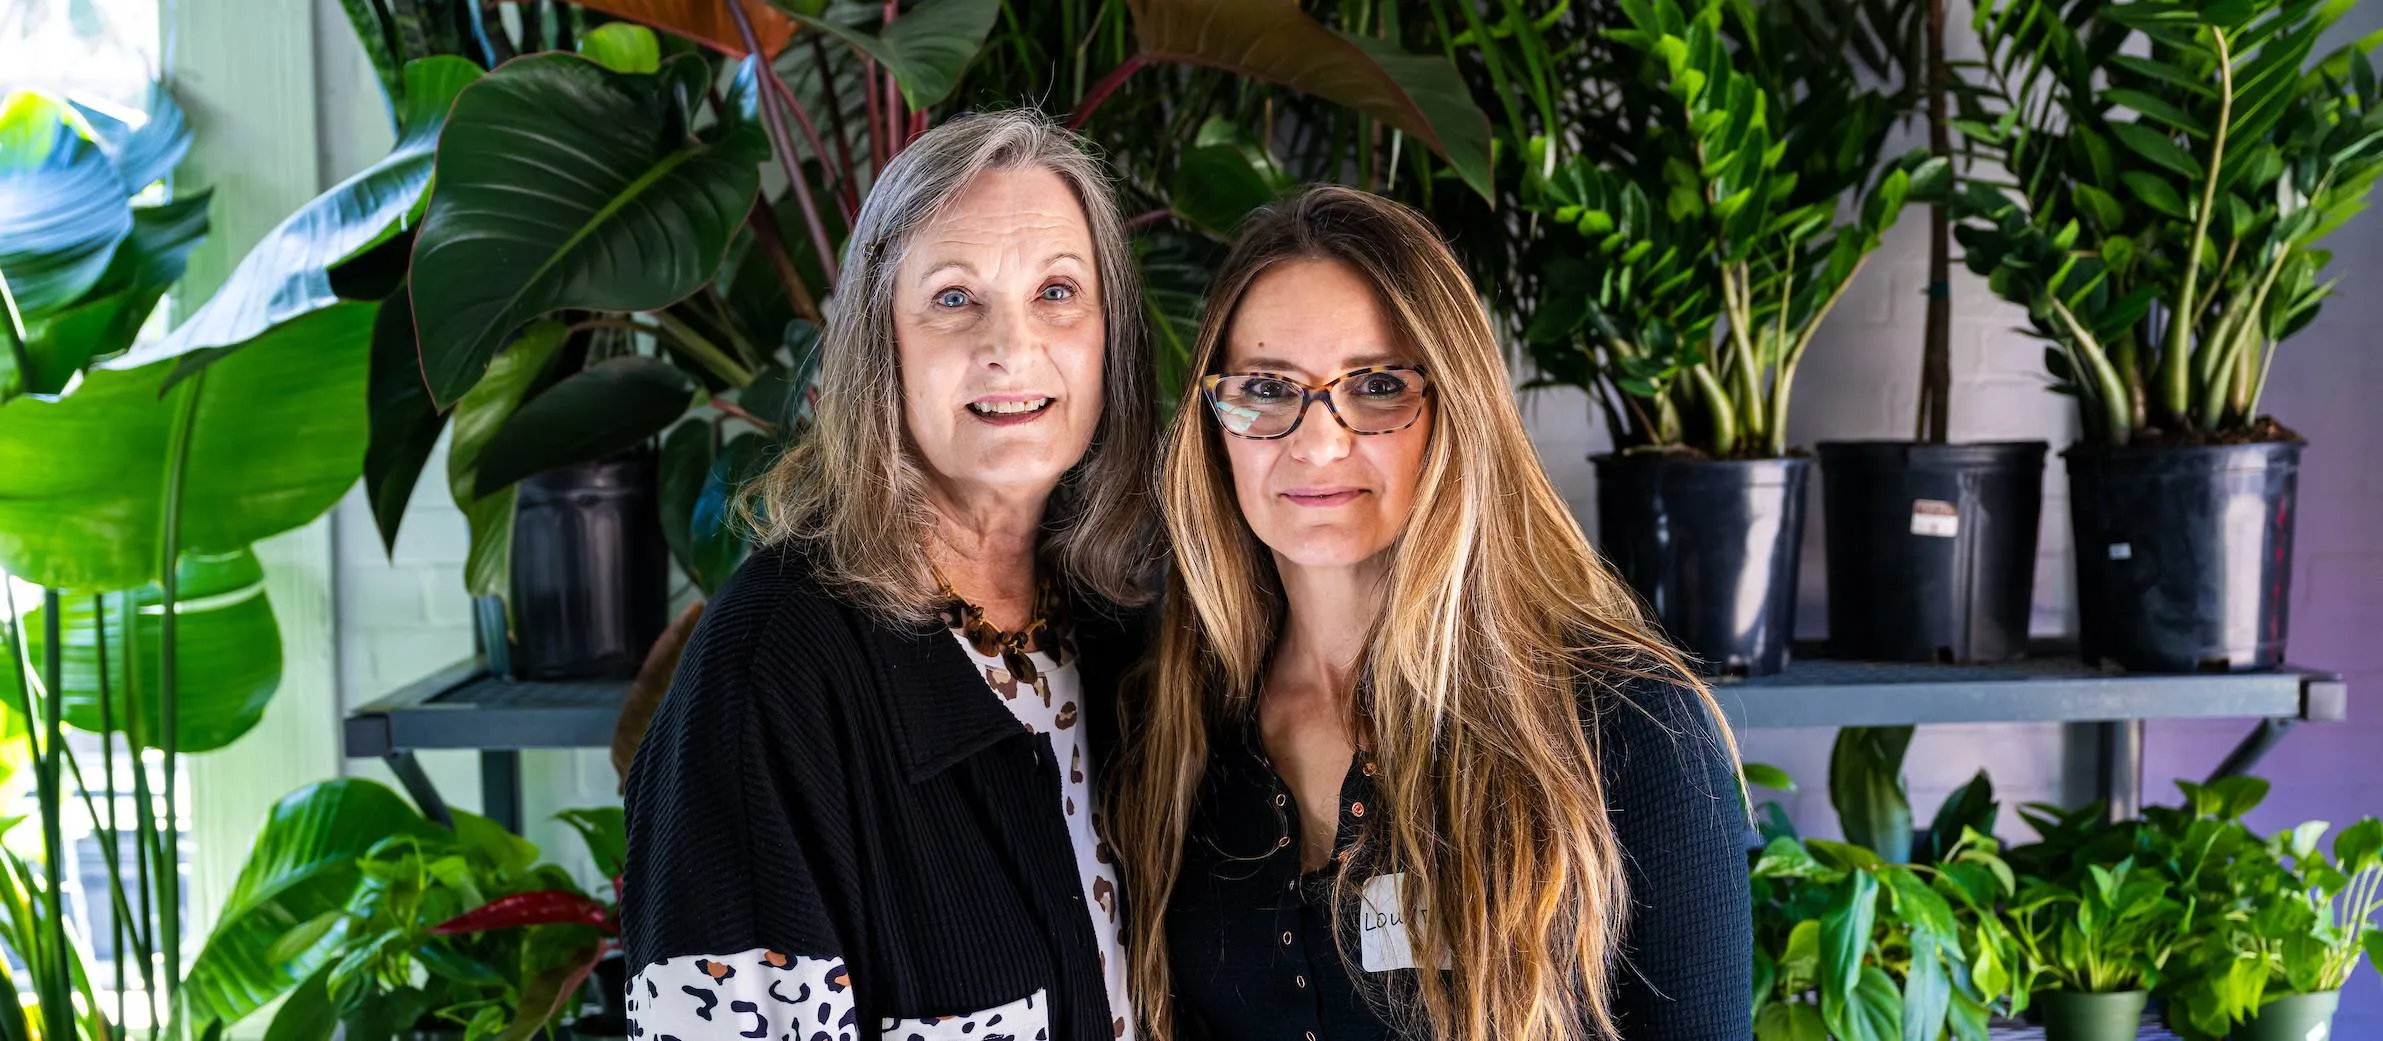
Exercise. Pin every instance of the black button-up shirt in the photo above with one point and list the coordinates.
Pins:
(1256, 955)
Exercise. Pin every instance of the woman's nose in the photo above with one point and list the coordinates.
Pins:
(1320, 438)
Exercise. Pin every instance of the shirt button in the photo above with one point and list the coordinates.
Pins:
(1311, 1035)
(1286, 939)
(1356, 809)
(1299, 981)
(1278, 798)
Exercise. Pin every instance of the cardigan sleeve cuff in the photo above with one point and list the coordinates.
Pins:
(754, 995)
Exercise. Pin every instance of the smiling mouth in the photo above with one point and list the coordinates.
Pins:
(1324, 498)
(1004, 412)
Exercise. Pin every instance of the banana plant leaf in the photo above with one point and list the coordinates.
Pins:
(275, 437)
(1275, 41)
(926, 48)
(62, 206)
(302, 869)
(563, 184)
(287, 274)
(109, 316)
(144, 154)
(228, 653)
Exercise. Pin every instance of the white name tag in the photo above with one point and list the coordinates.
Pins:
(1382, 943)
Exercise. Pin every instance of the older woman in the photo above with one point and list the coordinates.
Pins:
(865, 808)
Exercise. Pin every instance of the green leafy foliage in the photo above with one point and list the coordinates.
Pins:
(1695, 243)
(2244, 151)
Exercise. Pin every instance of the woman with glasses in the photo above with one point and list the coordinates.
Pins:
(1411, 762)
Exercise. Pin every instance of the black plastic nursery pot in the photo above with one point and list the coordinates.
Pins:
(1931, 548)
(2072, 1016)
(1712, 546)
(591, 571)
(2184, 555)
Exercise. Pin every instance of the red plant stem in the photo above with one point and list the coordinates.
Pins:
(877, 142)
(784, 146)
(811, 137)
(895, 117)
(764, 220)
(1108, 85)
(918, 125)
(1144, 220)
(733, 409)
(835, 122)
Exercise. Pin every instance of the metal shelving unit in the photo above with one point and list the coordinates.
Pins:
(464, 707)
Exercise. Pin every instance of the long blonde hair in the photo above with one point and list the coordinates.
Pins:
(854, 487)
(1500, 636)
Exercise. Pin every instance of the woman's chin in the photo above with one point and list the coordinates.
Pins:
(1327, 547)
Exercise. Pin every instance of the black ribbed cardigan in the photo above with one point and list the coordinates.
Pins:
(820, 784)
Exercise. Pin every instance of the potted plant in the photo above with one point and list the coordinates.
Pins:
(1931, 545)
(2089, 953)
(2285, 928)
(1686, 251)
(2174, 171)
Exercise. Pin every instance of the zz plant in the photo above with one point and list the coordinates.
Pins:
(2174, 170)
(1693, 237)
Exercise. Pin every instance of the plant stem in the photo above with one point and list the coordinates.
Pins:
(705, 352)
(169, 738)
(784, 145)
(894, 117)
(2236, 330)
(764, 221)
(1725, 421)
(144, 816)
(107, 765)
(1936, 366)
(2086, 357)
(2175, 361)
(835, 122)
(1106, 86)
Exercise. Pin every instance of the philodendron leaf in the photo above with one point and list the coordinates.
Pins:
(487, 569)
(287, 274)
(62, 208)
(227, 654)
(276, 436)
(1866, 787)
(610, 407)
(302, 865)
(405, 425)
(717, 537)
(564, 184)
(926, 48)
(685, 464)
(1275, 41)
(710, 24)
(623, 47)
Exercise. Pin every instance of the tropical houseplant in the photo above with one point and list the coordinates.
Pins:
(2174, 170)
(702, 344)
(1681, 229)
(2090, 953)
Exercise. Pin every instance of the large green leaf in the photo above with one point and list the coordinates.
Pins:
(287, 274)
(405, 425)
(926, 48)
(108, 317)
(1844, 951)
(227, 653)
(706, 22)
(563, 184)
(1275, 41)
(609, 407)
(1866, 787)
(62, 207)
(487, 569)
(303, 865)
(143, 155)
(276, 436)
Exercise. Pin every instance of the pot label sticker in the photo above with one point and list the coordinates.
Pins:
(1382, 943)
(1935, 518)
(2122, 551)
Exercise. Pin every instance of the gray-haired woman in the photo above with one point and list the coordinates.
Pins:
(866, 807)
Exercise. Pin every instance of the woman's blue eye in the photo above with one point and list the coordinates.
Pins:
(1062, 292)
(951, 298)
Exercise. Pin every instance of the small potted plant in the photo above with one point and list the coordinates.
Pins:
(2173, 171)
(2288, 929)
(2089, 953)
(1685, 254)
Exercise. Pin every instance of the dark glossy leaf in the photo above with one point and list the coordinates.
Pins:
(286, 275)
(593, 414)
(2153, 190)
(1866, 787)
(276, 438)
(478, 417)
(228, 654)
(718, 536)
(685, 465)
(606, 834)
(62, 208)
(405, 425)
(302, 865)
(926, 48)
(306, 1015)
(1275, 41)
(561, 184)
(2158, 109)
(2156, 146)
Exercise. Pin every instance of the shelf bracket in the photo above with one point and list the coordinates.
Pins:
(417, 785)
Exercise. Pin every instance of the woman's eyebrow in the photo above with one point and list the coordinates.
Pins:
(1367, 361)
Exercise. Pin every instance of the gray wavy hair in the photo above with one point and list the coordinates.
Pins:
(853, 488)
